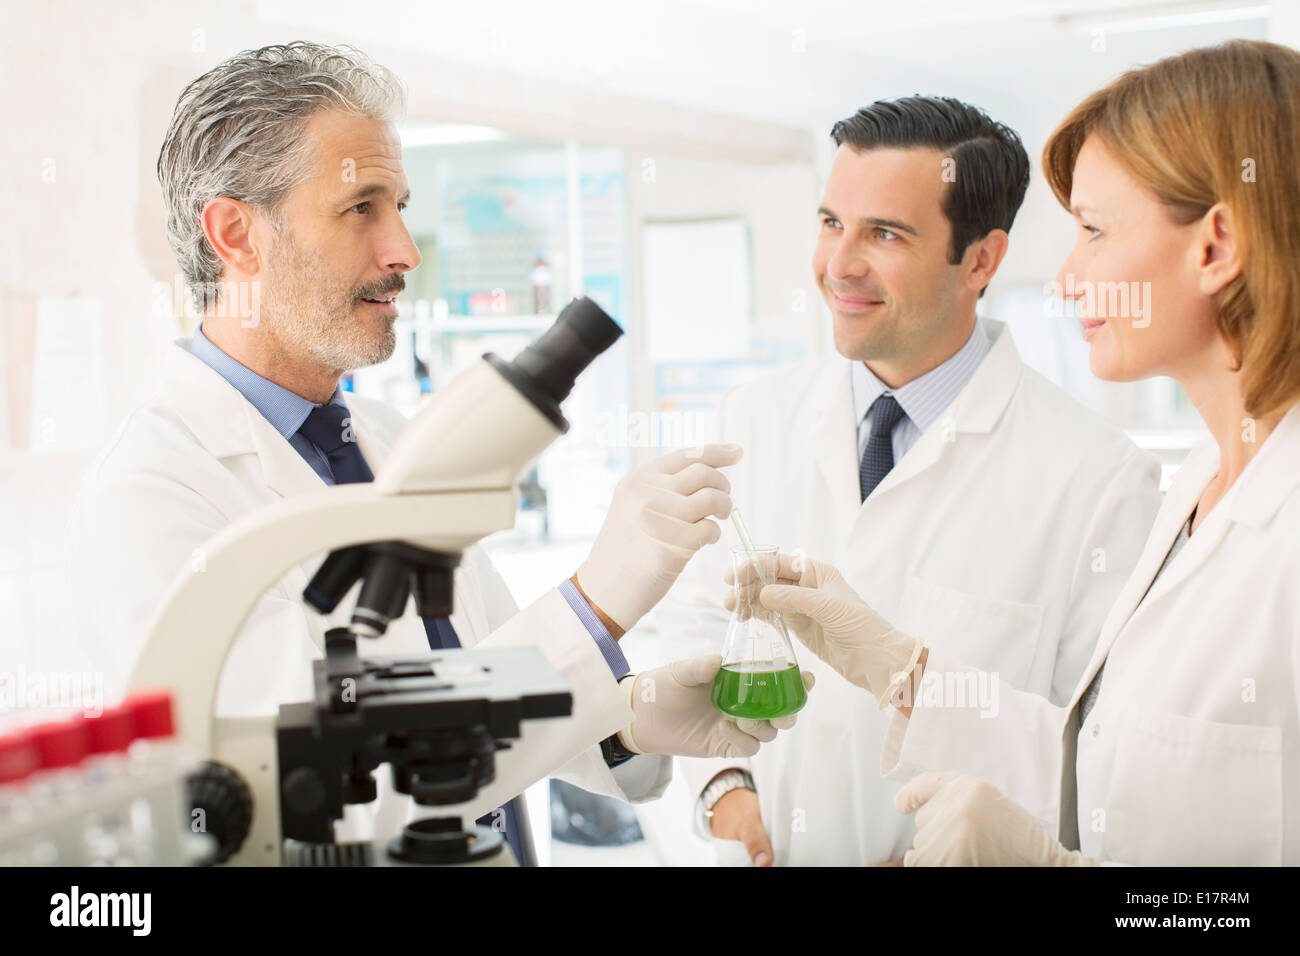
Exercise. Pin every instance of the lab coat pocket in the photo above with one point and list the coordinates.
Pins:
(993, 635)
(1188, 792)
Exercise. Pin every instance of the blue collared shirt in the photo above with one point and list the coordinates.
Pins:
(923, 399)
(282, 408)
(286, 412)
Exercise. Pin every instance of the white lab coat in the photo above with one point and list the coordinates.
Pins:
(198, 456)
(984, 538)
(1191, 753)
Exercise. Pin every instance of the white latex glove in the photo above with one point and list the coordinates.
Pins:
(964, 821)
(818, 607)
(674, 714)
(659, 518)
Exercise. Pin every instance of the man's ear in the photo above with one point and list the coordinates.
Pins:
(228, 225)
(982, 259)
(1218, 261)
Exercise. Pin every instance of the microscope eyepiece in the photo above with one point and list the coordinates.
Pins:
(545, 371)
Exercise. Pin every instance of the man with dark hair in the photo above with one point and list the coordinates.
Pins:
(964, 496)
(995, 169)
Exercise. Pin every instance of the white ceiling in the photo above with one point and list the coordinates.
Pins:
(803, 63)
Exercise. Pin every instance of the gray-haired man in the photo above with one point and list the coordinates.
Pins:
(283, 179)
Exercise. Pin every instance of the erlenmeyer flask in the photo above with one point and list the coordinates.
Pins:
(759, 678)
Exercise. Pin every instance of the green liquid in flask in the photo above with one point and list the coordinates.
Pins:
(757, 691)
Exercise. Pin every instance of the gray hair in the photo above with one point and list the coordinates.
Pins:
(238, 131)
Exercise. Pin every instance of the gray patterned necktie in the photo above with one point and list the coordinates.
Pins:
(878, 459)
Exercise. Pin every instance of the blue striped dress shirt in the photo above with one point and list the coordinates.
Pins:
(923, 399)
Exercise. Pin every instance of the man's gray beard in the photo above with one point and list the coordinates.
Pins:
(317, 336)
(311, 315)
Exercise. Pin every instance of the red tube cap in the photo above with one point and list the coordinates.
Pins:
(111, 731)
(151, 713)
(18, 757)
(63, 744)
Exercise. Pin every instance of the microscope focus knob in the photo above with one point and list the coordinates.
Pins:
(226, 804)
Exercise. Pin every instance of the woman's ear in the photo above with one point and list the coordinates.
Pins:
(1218, 261)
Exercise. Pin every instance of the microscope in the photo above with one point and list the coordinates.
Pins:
(272, 787)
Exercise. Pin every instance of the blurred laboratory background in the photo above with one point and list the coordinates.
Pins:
(664, 158)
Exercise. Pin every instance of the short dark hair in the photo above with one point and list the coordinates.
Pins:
(991, 166)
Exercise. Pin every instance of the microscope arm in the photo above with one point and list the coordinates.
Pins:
(454, 507)
(447, 482)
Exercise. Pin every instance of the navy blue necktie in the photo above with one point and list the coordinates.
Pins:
(329, 428)
(878, 459)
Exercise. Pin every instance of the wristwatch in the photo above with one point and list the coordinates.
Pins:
(612, 749)
(723, 783)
